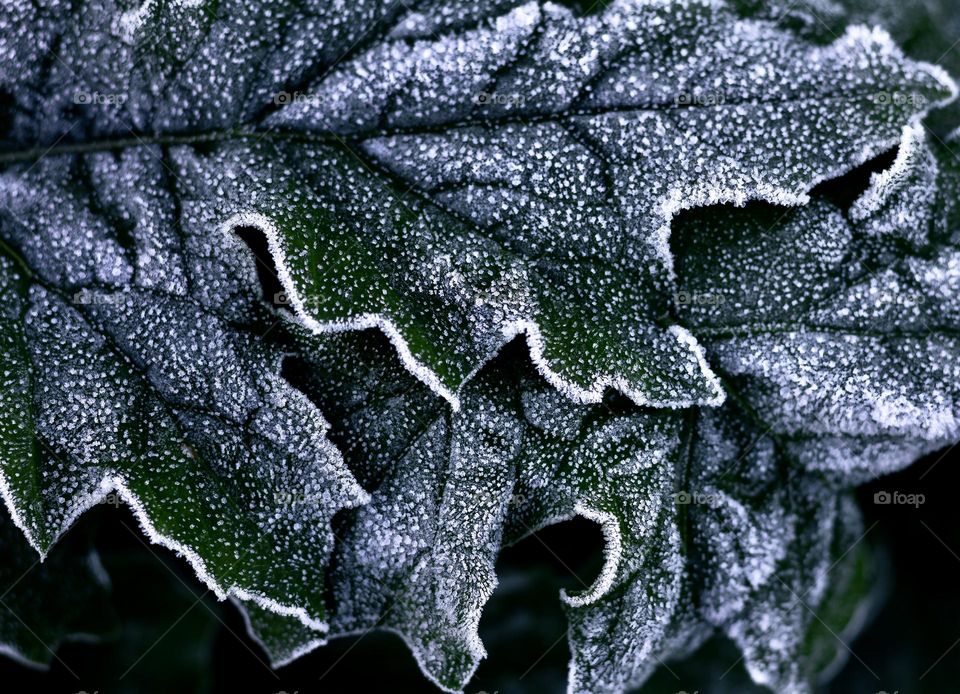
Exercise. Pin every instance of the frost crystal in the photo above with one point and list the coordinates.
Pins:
(836, 389)
(451, 488)
(842, 341)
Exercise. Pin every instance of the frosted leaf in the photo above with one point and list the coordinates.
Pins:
(761, 531)
(783, 633)
(841, 332)
(432, 530)
(901, 200)
(131, 367)
(282, 638)
(928, 29)
(41, 605)
(167, 67)
(450, 488)
(456, 174)
(781, 557)
(471, 171)
(543, 121)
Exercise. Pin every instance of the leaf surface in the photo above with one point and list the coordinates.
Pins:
(467, 174)
(456, 175)
(730, 519)
(840, 328)
(127, 369)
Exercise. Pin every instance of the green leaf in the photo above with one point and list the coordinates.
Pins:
(67, 597)
(460, 176)
(282, 638)
(854, 589)
(841, 330)
(127, 370)
(419, 558)
(669, 491)
(419, 183)
(774, 549)
(731, 519)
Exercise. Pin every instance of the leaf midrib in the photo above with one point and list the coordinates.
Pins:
(259, 131)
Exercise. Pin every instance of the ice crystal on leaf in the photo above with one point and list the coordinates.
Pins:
(842, 330)
(704, 389)
(602, 126)
(451, 488)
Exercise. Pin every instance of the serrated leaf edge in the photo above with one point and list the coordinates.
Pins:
(674, 201)
(296, 654)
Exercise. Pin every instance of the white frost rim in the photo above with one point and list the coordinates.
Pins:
(674, 201)
(612, 553)
(414, 650)
(116, 484)
(20, 657)
(510, 330)
(294, 654)
(883, 184)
